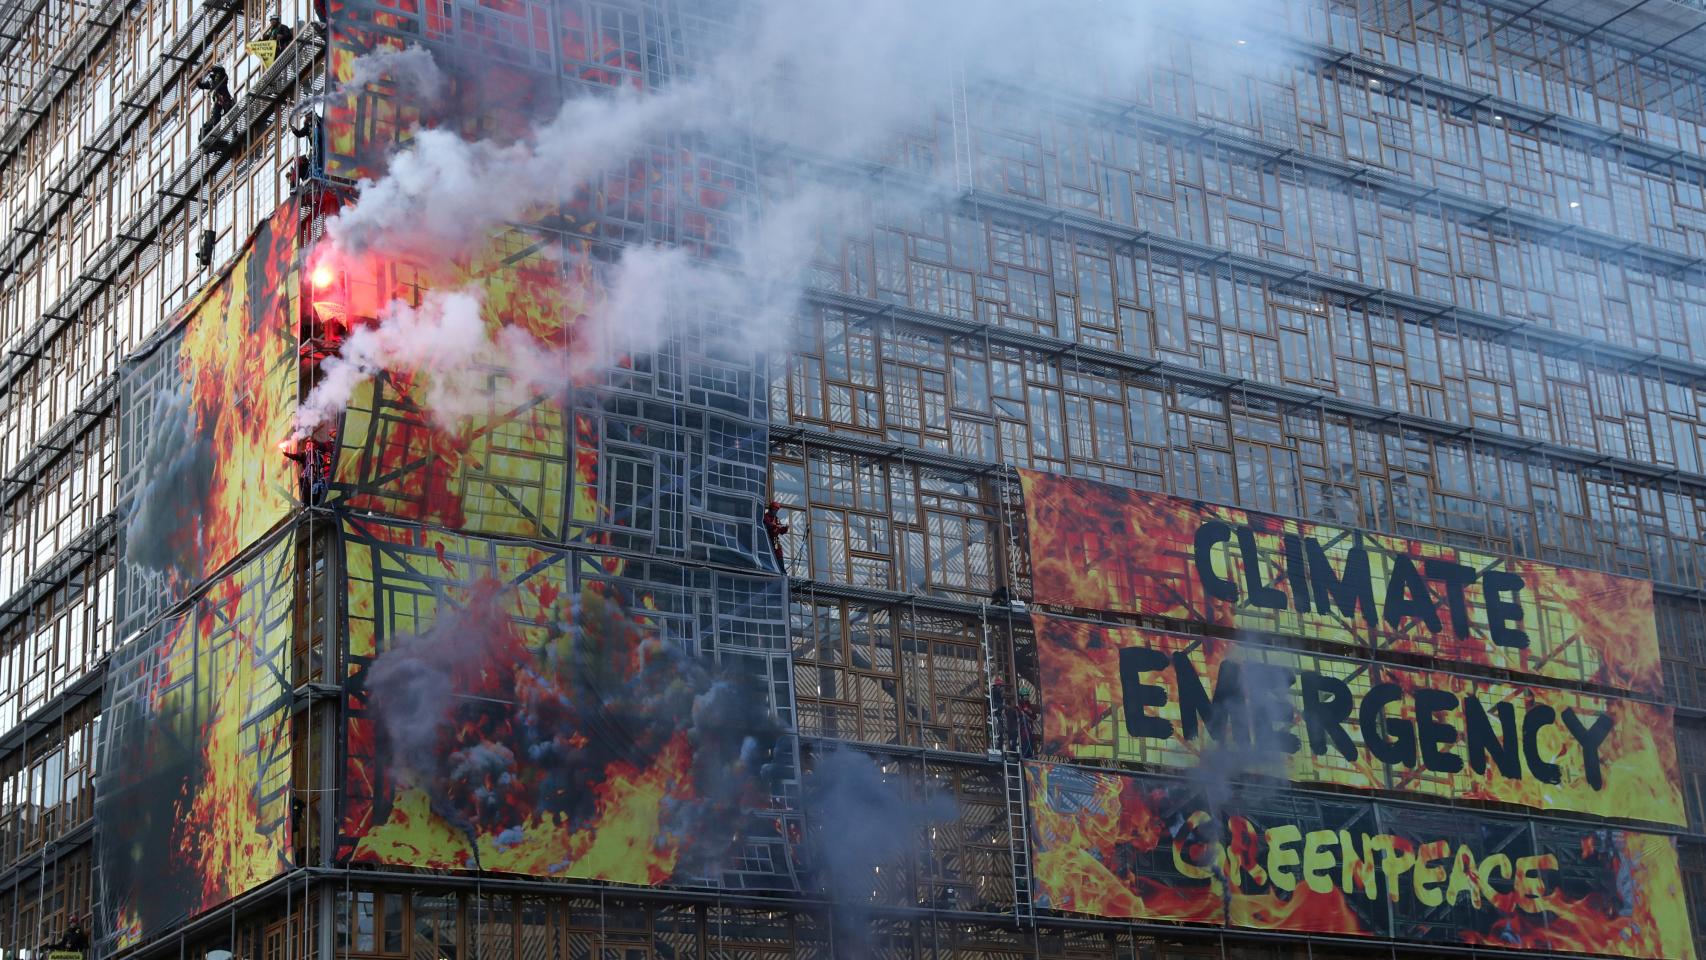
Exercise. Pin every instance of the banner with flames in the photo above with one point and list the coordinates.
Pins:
(538, 52)
(1102, 547)
(1133, 695)
(582, 452)
(194, 796)
(200, 418)
(366, 122)
(1146, 848)
(551, 713)
(502, 465)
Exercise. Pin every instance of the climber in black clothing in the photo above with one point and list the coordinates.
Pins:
(279, 34)
(75, 939)
(219, 85)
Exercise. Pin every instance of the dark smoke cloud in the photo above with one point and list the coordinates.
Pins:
(502, 736)
(151, 773)
(861, 821)
(160, 530)
(1247, 748)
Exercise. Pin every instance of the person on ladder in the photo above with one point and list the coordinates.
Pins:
(1001, 710)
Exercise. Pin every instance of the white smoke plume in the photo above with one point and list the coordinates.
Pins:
(411, 68)
(838, 81)
(466, 372)
(443, 338)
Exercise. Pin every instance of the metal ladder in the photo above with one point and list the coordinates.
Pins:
(1018, 839)
(989, 674)
(1013, 789)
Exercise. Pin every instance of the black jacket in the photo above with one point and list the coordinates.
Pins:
(280, 34)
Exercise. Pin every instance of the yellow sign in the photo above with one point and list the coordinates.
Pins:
(267, 50)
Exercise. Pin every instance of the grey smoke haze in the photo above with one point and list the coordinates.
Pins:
(413, 683)
(835, 80)
(411, 68)
(863, 822)
(179, 458)
(1249, 741)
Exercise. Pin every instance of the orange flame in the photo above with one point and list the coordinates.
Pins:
(1089, 860)
(237, 360)
(626, 841)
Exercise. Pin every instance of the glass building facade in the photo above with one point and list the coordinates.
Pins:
(1439, 271)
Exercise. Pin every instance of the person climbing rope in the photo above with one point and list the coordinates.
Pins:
(307, 126)
(1027, 724)
(775, 528)
(217, 83)
(314, 453)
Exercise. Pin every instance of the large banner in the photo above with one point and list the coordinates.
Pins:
(521, 709)
(194, 795)
(1143, 696)
(200, 419)
(558, 458)
(1146, 848)
(1110, 548)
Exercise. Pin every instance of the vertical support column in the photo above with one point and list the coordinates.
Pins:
(323, 948)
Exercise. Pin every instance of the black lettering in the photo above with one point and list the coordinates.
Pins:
(1483, 743)
(1407, 596)
(1392, 740)
(1232, 705)
(1258, 594)
(1213, 584)
(1504, 612)
(1196, 710)
(1267, 698)
(1296, 574)
(1433, 734)
(1355, 589)
(1590, 738)
(1539, 718)
(1455, 576)
(1327, 704)
(1136, 694)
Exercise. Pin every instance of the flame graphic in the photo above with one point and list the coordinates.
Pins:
(576, 742)
(628, 840)
(213, 479)
(501, 471)
(1091, 852)
(198, 787)
(1302, 910)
